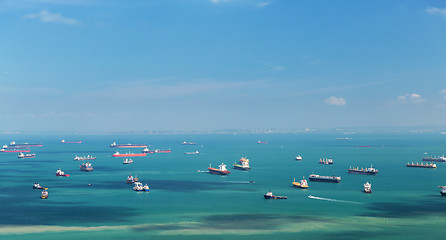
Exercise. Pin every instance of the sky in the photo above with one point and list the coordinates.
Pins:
(108, 66)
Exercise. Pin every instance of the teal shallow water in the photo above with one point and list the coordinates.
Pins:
(185, 204)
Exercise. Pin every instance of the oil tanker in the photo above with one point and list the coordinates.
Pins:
(117, 154)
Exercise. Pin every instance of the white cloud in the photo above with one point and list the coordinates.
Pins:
(410, 98)
(435, 10)
(263, 4)
(46, 16)
(218, 1)
(443, 92)
(336, 101)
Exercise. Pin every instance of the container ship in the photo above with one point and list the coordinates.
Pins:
(368, 171)
(434, 159)
(63, 141)
(128, 145)
(220, 171)
(21, 155)
(242, 165)
(117, 154)
(14, 144)
(188, 143)
(318, 178)
(15, 150)
(421, 165)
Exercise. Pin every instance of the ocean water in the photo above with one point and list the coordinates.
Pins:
(186, 204)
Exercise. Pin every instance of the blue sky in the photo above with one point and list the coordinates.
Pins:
(101, 65)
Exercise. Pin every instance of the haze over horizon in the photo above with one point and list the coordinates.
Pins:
(221, 64)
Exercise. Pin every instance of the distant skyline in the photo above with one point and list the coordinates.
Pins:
(116, 66)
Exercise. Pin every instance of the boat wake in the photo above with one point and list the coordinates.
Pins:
(332, 200)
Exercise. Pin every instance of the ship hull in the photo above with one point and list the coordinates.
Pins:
(238, 167)
(421, 166)
(314, 179)
(218, 172)
(16, 151)
(443, 193)
(130, 155)
(274, 197)
(362, 172)
(434, 160)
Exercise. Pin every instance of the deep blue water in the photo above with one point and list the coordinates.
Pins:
(186, 204)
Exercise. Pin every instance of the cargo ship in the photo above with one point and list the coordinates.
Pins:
(188, 143)
(421, 165)
(242, 165)
(14, 147)
(141, 188)
(88, 157)
(270, 195)
(302, 184)
(146, 150)
(117, 154)
(127, 161)
(61, 173)
(318, 178)
(14, 144)
(21, 155)
(326, 161)
(15, 150)
(367, 187)
(162, 151)
(220, 171)
(434, 158)
(63, 141)
(128, 145)
(368, 171)
(443, 190)
(86, 167)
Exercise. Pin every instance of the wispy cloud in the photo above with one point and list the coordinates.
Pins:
(218, 1)
(46, 16)
(443, 92)
(263, 4)
(337, 101)
(435, 10)
(410, 98)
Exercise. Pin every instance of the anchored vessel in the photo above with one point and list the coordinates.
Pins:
(162, 151)
(242, 165)
(260, 142)
(21, 155)
(141, 188)
(146, 150)
(36, 185)
(127, 161)
(368, 171)
(269, 195)
(367, 187)
(298, 158)
(61, 173)
(434, 158)
(63, 141)
(131, 179)
(88, 157)
(117, 154)
(44, 194)
(188, 143)
(10, 150)
(421, 165)
(443, 190)
(192, 153)
(14, 144)
(128, 145)
(318, 178)
(326, 161)
(86, 167)
(220, 171)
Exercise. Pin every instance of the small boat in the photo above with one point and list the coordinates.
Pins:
(117, 154)
(443, 190)
(141, 188)
(36, 185)
(44, 194)
(220, 171)
(243, 164)
(367, 187)
(127, 161)
(86, 167)
(326, 161)
(130, 179)
(298, 158)
(192, 153)
(61, 173)
(269, 195)
(21, 155)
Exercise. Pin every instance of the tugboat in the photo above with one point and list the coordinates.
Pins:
(21, 155)
(61, 173)
(368, 171)
(37, 186)
(244, 164)
(367, 187)
(127, 161)
(304, 183)
(326, 161)
(443, 190)
(44, 194)
(86, 167)
(298, 158)
(421, 165)
(140, 188)
(130, 179)
(269, 195)
(220, 171)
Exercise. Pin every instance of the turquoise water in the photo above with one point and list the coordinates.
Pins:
(186, 204)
